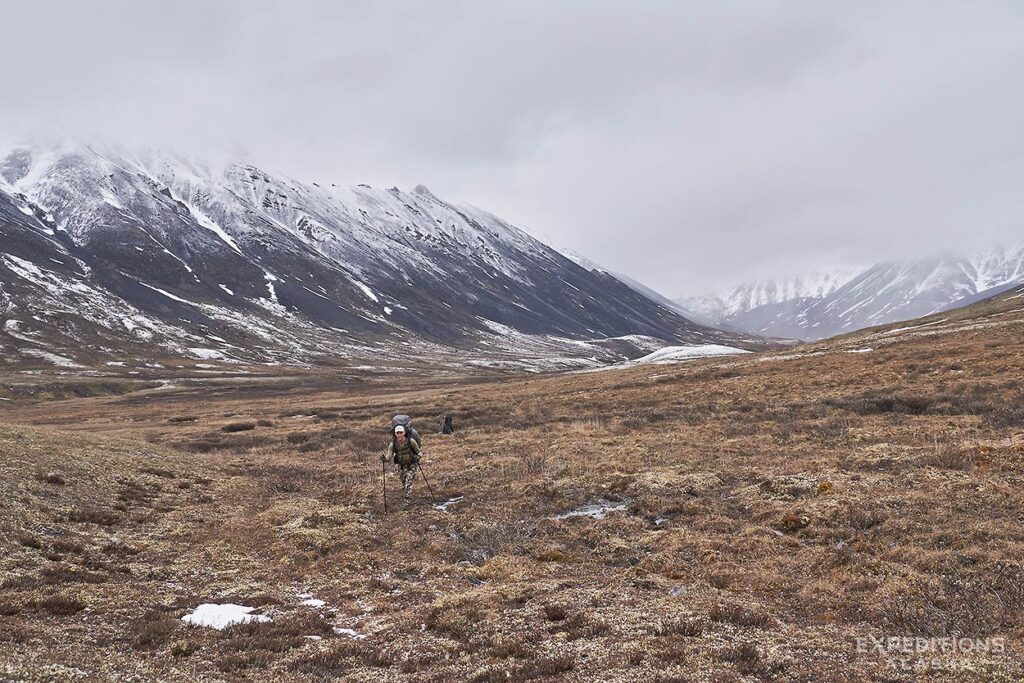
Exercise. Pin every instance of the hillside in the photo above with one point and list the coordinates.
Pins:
(826, 304)
(742, 518)
(112, 255)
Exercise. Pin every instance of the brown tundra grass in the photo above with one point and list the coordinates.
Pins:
(767, 511)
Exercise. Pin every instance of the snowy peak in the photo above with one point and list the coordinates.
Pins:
(995, 267)
(229, 258)
(826, 304)
(751, 295)
(814, 285)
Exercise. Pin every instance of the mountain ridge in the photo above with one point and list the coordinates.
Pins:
(846, 300)
(247, 264)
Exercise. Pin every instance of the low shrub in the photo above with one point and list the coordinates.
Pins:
(60, 605)
(232, 427)
(93, 516)
(738, 615)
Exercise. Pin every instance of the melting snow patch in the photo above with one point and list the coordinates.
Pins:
(24, 269)
(443, 507)
(366, 290)
(897, 330)
(272, 304)
(671, 354)
(212, 226)
(13, 328)
(206, 354)
(351, 633)
(226, 289)
(497, 328)
(110, 198)
(790, 356)
(271, 279)
(313, 602)
(222, 616)
(60, 361)
(596, 510)
(169, 295)
(675, 354)
(859, 350)
(387, 310)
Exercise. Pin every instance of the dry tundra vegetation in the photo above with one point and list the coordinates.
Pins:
(765, 511)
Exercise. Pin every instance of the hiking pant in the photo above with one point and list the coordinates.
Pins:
(406, 474)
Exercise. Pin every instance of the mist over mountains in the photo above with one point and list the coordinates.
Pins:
(835, 302)
(110, 252)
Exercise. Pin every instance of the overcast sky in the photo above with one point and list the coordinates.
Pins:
(691, 145)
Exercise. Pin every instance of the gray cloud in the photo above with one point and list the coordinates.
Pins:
(688, 145)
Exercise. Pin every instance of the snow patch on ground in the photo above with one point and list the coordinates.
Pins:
(60, 361)
(498, 328)
(24, 269)
(220, 617)
(898, 330)
(13, 328)
(597, 510)
(672, 354)
(208, 223)
(271, 279)
(366, 290)
(110, 198)
(351, 633)
(206, 354)
(675, 354)
(272, 304)
(790, 356)
(180, 260)
(443, 507)
(169, 295)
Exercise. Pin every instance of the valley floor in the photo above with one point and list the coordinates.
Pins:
(774, 516)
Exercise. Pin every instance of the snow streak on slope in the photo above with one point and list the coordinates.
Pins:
(748, 296)
(821, 307)
(285, 271)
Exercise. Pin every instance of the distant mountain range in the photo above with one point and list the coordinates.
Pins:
(826, 304)
(108, 254)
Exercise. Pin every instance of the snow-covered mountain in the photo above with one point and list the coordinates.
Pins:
(751, 295)
(824, 305)
(637, 286)
(108, 252)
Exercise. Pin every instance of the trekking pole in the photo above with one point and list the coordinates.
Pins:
(384, 484)
(420, 468)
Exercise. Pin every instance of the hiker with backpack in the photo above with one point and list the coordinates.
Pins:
(404, 451)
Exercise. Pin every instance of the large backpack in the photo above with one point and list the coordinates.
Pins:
(410, 431)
